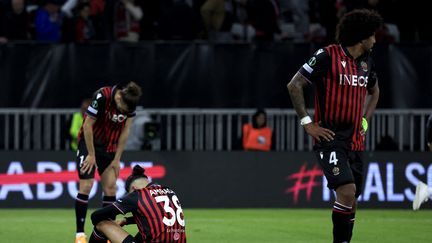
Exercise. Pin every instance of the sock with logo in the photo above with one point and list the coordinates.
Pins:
(81, 204)
(341, 223)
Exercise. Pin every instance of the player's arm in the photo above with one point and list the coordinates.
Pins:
(371, 101)
(125, 221)
(122, 206)
(295, 89)
(121, 145)
(90, 159)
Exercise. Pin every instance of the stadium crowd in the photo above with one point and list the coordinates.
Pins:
(220, 20)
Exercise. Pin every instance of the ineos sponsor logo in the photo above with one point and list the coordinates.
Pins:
(353, 80)
(117, 118)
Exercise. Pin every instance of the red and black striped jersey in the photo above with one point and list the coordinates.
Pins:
(341, 84)
(109, 120)
(157, 212)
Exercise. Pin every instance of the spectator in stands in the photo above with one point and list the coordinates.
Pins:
(257, 136)
(241, 29)
(127, 16)
(213, 15)
(179, 22)
(297, 13)
(76, 123)
(101, 19)
(48, 22)
(264, 16)
(15, 22)
(218, 17)
(84, 29)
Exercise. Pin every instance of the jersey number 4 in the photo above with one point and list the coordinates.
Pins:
(176, 213)
(333, 159)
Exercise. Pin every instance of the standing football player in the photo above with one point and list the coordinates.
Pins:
(101, 142)
(346, 96)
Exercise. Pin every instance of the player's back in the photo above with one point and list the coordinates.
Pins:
(159, 215)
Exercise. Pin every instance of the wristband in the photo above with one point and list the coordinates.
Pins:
(364, 124)
(305, 120)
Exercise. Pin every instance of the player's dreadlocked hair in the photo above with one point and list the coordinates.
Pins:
(357, 25)
(131, 95)
(137, 173)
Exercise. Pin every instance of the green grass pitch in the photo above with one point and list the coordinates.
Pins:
(235, 225)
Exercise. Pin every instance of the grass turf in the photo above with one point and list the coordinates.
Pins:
(234, 225)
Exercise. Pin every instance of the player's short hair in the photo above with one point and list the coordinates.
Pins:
(137, 173)
(131, 95)
(357, 25)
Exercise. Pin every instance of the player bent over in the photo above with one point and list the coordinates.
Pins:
(101, 142)
(156, 211)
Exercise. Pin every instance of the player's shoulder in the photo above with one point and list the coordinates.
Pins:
(104, 92)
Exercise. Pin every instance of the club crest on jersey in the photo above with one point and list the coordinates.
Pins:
(364, 66)
(117, 118)
(336, 171)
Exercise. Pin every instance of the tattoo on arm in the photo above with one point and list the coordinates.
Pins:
(295, 89)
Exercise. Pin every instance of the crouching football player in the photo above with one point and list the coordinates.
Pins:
(156, 211)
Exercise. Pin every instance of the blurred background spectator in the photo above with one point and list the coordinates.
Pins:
(48, 21)
(127, 20)
(76, 122)
(256, 135)
(218, 20)
(84, 28)
(15, 21)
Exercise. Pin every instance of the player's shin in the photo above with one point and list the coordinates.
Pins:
(341, 223)
(81, 204)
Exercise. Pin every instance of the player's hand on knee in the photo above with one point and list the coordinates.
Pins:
(121, 222)
(318, 132)
(88, 164)
(115, 164)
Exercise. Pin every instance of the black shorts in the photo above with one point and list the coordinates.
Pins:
(340, 165)
(103, 159)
